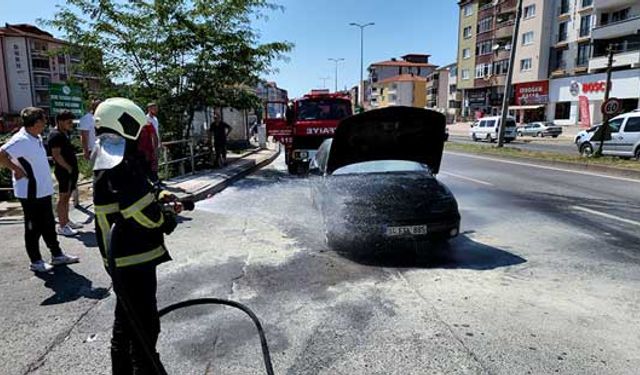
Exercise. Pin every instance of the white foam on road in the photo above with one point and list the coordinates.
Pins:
(591, 174)
(608, 216)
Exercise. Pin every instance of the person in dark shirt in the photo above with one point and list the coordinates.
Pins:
(219, 131)
(65, 170)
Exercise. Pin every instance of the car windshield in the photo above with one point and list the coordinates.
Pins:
(382, 166)
(312, 109)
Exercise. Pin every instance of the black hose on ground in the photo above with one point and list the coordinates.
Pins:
(135, 320)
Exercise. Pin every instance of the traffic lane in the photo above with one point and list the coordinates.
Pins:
(565, 310)
(560, 146)
(553, 188)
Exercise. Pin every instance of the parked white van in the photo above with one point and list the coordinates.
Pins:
(486, 129)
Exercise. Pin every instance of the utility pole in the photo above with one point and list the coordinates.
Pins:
(507, 86)
(324, 81)
(336, 60)
(360, 90)
(605, 123)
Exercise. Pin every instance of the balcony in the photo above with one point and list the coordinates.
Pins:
(504, 30)
(560, 69)
(563, 11)
(617, 29)
(562, 39)
(628, 58)
(608, 4)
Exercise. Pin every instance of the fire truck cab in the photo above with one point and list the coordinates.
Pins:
(303, 124)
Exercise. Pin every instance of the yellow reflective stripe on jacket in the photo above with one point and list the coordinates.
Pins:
(143, 220)
(107, 209)
(103, 223)
(141, 258)
(138, 206)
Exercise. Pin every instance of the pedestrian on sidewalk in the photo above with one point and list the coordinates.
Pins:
(25, 155)
(127, 207)
(219, 131)
(65, 170)
(87, 128)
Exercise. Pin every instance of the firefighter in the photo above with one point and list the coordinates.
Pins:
(124, 199)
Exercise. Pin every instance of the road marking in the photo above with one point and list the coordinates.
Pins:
(608, 216)
(546, 167)
(467, 178)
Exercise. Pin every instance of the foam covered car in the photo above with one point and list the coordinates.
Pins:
(378, 179)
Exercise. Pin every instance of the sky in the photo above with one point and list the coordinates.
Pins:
(320, 30)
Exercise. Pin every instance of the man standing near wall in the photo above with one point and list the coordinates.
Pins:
(25, 155)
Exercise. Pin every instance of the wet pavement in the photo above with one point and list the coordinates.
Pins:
(544, 279)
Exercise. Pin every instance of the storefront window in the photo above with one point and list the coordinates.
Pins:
(563, 110)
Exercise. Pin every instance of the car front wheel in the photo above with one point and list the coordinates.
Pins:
(519, 134)
(473, 137)
(586, 150)
(636, 154)
(540, 134)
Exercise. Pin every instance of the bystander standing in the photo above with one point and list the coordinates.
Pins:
(25, 155)
(87, 128)
(65, 170)
(219, 131)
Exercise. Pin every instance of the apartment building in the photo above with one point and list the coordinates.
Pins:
(412, 68)
(442, 92)
(582, 36)
(28, 64)
(402, 90)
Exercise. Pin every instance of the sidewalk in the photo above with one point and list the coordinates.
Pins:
(196, 186)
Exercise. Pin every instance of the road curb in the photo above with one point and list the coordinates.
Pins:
(208, 191)
(553, 163)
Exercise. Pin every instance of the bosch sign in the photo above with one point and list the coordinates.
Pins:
(591, 87)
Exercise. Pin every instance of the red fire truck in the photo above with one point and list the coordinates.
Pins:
(303, 124)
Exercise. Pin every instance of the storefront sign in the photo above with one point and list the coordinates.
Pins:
(585, 115)
(592, 87)
(532, 93)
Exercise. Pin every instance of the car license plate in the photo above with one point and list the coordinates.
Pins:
(409, 230)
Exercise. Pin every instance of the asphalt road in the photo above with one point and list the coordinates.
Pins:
(545, 279)
(546, 144)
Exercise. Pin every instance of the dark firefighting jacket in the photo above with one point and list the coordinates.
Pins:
(123, 195)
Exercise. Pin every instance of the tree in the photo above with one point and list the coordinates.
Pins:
(182, 54)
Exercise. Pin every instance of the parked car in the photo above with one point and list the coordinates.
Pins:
(487, 129)
(378, 180)
(539, 129)
(584, 134)
(625, 138)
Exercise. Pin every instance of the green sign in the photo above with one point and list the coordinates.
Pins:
(66, 97)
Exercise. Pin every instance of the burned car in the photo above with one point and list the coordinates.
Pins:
(378, 179)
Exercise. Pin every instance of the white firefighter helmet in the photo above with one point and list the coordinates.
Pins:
(117, 119)
(121, 116)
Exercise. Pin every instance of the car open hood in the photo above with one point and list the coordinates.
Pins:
(393, 133)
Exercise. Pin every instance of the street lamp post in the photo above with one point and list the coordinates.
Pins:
(324, 81)
(336, 60)
(362, 27)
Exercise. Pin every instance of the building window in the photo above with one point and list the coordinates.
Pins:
(467, 10)
(453, 72)
(587, 3)
(527, 38)
(486, 24)
(501, 67)
(525, 65)
(564, 6)
(620, 15)
(483, 70)
(529, 11)
(466, 53)
(585, 25)
(584, 50)
(466, 33)
(484, 48)
(465, 74)
(559, 63)
(563, 111)
(562, 32)
(452, 89)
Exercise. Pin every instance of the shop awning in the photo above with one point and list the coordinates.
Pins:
(526, 106)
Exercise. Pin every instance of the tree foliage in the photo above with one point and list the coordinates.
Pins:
(182, 54)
